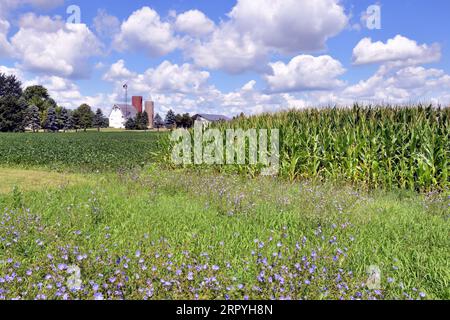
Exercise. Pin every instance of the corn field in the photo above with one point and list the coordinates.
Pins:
(380, 147)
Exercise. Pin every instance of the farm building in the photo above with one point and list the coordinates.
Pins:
(210, 118)
(120, 113)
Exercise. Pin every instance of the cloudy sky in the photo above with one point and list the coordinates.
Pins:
(228, 56)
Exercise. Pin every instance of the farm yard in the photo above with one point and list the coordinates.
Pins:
(103, 215)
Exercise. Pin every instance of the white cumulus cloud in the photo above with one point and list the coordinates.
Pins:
(257, 28)
(144, 31)
(290, 25)
(305, 72)
(228, 49)
(165, 78)
(194, 22)
(48, 46)
(168, 77)
(118, 72)
(408, 84)
(5, 46)
(398, 50)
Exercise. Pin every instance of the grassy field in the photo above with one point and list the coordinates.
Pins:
(29, 180)
(165, 235)
(109, 224)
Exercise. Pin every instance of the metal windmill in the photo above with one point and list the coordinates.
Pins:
(125, 86)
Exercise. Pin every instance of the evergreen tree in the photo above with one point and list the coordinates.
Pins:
(144, 121)
(170, 120)
(158, 122)
(51, 121)
(12, 106)
(76, 120)
(130, 124)
(33, 119)
(12, 114)
(65, 120)
(99, 119)
(10, 86)
(141, 121)
(137, 121)
(105, 123)
(58, 111)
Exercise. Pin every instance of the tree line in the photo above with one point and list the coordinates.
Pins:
(34, 109)
(172, 120)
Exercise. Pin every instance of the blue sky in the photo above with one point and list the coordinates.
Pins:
(227, 56)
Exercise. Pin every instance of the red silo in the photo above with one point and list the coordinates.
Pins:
(136, 101)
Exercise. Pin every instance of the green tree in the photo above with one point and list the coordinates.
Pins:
(179, 121)
(105, 123)
(84, 116)
(145, 123)
(37, 91)
(10, 86)
(186, 121)
(137, 121)
(65, 120)
(12, 106)
(170, 120)
(12, 114)
(33, 119)
(141, 121)
(58, 111)
(130, 124)
(99, 119)
(76, 120)
(51, 121)
(158, 122)
(38, 96)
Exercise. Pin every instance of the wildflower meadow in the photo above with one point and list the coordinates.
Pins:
(154, 233)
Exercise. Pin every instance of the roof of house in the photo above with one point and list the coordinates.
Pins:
(128, 111)
(212, 117)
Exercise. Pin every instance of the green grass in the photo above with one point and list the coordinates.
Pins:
(28, 180)
(168, 212)
(79, 152)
